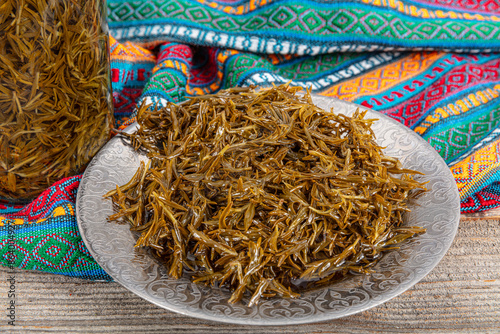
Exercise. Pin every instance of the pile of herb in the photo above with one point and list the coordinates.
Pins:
(263, 192)
(55, 102)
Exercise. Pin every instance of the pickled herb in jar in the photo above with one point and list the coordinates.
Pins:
(55, 91)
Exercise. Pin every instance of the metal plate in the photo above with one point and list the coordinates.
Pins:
(112, 245)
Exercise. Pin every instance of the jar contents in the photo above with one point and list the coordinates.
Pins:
(55, 91)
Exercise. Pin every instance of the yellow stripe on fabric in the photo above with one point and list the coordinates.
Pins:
(386, 77)
(458, 107)
(471, 171)
(424, 13)
(238, 10)
(16, 221)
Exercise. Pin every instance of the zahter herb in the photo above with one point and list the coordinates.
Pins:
(263, 192)
(55, 102)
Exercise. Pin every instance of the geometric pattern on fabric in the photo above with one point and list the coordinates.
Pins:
(478, 170)
(490, 138)
(452, 137)
(131, 67)
(255, 70)
(305, 28)
(383, 78)
(53, 246)
(451, 7)
(183, 70)
(125, 102)
(6, 208)
(170, 74)
(472, 100)
(46, 235)
(311, 68)
(61, 196)
(411, 101)
(485, 199)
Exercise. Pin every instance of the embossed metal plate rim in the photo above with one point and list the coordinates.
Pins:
(112, 244)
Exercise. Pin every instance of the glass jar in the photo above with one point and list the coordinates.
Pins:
(55, 91)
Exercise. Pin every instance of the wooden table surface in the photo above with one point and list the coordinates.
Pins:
(461, 295)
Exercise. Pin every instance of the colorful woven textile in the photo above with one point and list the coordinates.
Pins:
(437, 70)
(311, 27)
(46, 235)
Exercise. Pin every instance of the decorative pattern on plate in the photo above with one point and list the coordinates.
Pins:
(112, 245)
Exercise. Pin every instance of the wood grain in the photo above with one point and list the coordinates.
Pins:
(462, 294)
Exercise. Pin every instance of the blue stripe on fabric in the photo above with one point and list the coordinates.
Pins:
(83, 273)
(51, 223)
(488, 139)
(335, 41)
